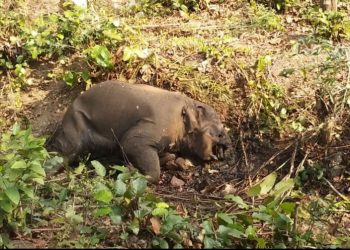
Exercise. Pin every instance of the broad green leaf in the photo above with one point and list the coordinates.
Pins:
(160, 211)
(6, 206)
(37, 168)
(288, 207)
(116, 215)
(102, 211)
(207, 225)
(250, 231)
(210, 243)
(99, 168)
(19, 164)
(120, 187)
(224, 232)
(283, 186)
(70, 78)
(139, 185)
(225, 217)
(14, 174)
(13, 194)
(29, 191)
(238, 200)
(104, 195)
(134, 226)
(262, 216)
(124, 176)
(120, 168)
(85, 75)
(39, 180)
(162, 205)
(268, 183)
(16, 128)
(254, 191)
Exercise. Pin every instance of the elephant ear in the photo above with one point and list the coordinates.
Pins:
(190, 117)
(194, 117)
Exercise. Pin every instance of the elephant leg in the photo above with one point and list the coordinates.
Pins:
(143, 157)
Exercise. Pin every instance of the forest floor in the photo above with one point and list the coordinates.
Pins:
(255, 153)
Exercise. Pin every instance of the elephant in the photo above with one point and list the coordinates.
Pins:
(137, 123)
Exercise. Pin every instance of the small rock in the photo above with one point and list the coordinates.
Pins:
(167, 158)
(228, 189)
(176, 182)
(184, 164)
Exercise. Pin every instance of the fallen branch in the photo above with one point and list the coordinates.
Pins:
(335, 190)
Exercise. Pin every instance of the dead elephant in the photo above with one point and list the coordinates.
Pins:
(138, 122)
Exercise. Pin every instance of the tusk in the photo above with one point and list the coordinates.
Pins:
(221, 153)
(213, 157)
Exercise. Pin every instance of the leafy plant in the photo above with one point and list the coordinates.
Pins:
(22, 159)
(100, 55)
(333, 25)
(265, 18)
(164, 7)
(267, 103)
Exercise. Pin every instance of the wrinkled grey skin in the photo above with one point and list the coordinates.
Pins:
(138, 123)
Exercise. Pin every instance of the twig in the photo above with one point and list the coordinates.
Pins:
(295, 218)
(271, 158)
(47, 229)
(335, 190)
(244, 152)
(292, 160)
(121, 148)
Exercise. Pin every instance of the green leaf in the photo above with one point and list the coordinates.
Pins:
(104, 195)
(19, 164)
(288, 207)
(85, 75)
(99, 168)
(160, 211)
(138, 186)
(260, 243)
(283, 186)
(210, 243)
(16, 128)
(162, 205)
(120, 168)
(225, 232)
(13, 194)
(207, 225)
(238, 200)
(116, 215)
(37, 168)
(262, 216)
(268, 183)
(254, 191)
(39, 180)
(29, 191)
(70, 78)
(120, 187)
(134, 226)
(103, 211)
(225, 217)
(6, 206)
